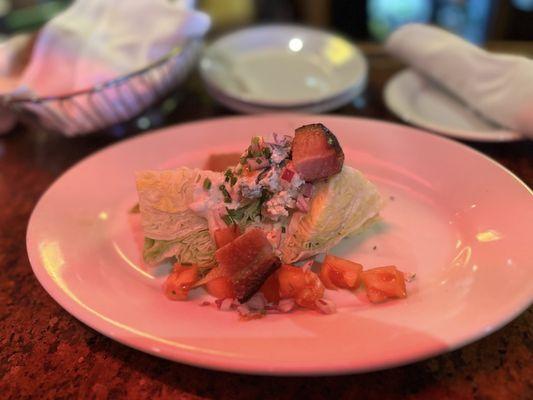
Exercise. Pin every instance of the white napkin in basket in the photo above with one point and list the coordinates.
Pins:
(98, 40)
(498, 86)
(95, 41)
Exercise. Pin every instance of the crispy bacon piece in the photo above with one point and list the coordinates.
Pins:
(249, 280)
(316, 152)
(248, 261)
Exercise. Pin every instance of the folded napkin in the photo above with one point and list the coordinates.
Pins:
(95, 41)
(500, 87)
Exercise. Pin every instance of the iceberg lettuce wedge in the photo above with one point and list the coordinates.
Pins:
(170, 228)
(340, 207)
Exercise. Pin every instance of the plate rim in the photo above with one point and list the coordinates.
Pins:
(507, 136)
(322, 106)
(358, 86)
(245, 366)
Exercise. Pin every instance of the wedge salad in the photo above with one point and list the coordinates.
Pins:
(249, 235)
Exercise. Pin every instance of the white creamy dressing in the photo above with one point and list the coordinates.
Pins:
(249, 187)
(209, 203)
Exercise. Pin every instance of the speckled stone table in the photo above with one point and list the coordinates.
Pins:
(47, 353)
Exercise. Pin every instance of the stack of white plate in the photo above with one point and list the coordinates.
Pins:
(283, 68)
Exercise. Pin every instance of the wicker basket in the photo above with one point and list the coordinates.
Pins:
(111, 102)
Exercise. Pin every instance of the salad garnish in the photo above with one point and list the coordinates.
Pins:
(241, 234)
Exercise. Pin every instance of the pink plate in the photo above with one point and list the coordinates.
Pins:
(458, 220)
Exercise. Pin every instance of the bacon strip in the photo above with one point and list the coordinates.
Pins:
(248, 261)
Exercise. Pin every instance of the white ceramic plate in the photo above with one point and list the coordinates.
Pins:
(283, 66)
(460, 221)
(419, 101)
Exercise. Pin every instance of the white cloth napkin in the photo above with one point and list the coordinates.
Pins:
(500, 87)
(97, 40)
(94, 41)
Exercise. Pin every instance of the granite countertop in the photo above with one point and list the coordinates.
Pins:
(47, 353)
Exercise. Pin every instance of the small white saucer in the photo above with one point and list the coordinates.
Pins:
(419, 101)
(283, 67)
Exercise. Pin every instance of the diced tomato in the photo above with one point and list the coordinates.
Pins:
(270, 288)
(291, 280)
(221, 288)
(303, 286)
(376, 295)
(324, 275)
(337, 272)
(180, 281)
(384, 283)
(225, 235)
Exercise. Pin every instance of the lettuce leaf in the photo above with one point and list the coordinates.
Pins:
(197, 249)
(170, 228)
(341, 206)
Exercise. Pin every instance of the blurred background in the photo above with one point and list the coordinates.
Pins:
(476, 20)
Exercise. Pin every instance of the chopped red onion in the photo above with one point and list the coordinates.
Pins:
(307, 265)
(257, 302)
(302, 203)
(257, 163)
(243, 310)
(307, 189)
(286, 305)
(287, 174)
(326, 306)
(282, 140)
(409, 276)
(224, 304)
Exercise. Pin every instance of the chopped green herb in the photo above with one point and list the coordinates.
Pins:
(261, 175)
(227, 219)
(266, 152)
(282, 229)
(207, 184)
(243, 160)
(233, 180)
(236, 214)
(265, 195)
(247, 213)
(228, 174)
(255, 140)
(258, 160)
(227, 197)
